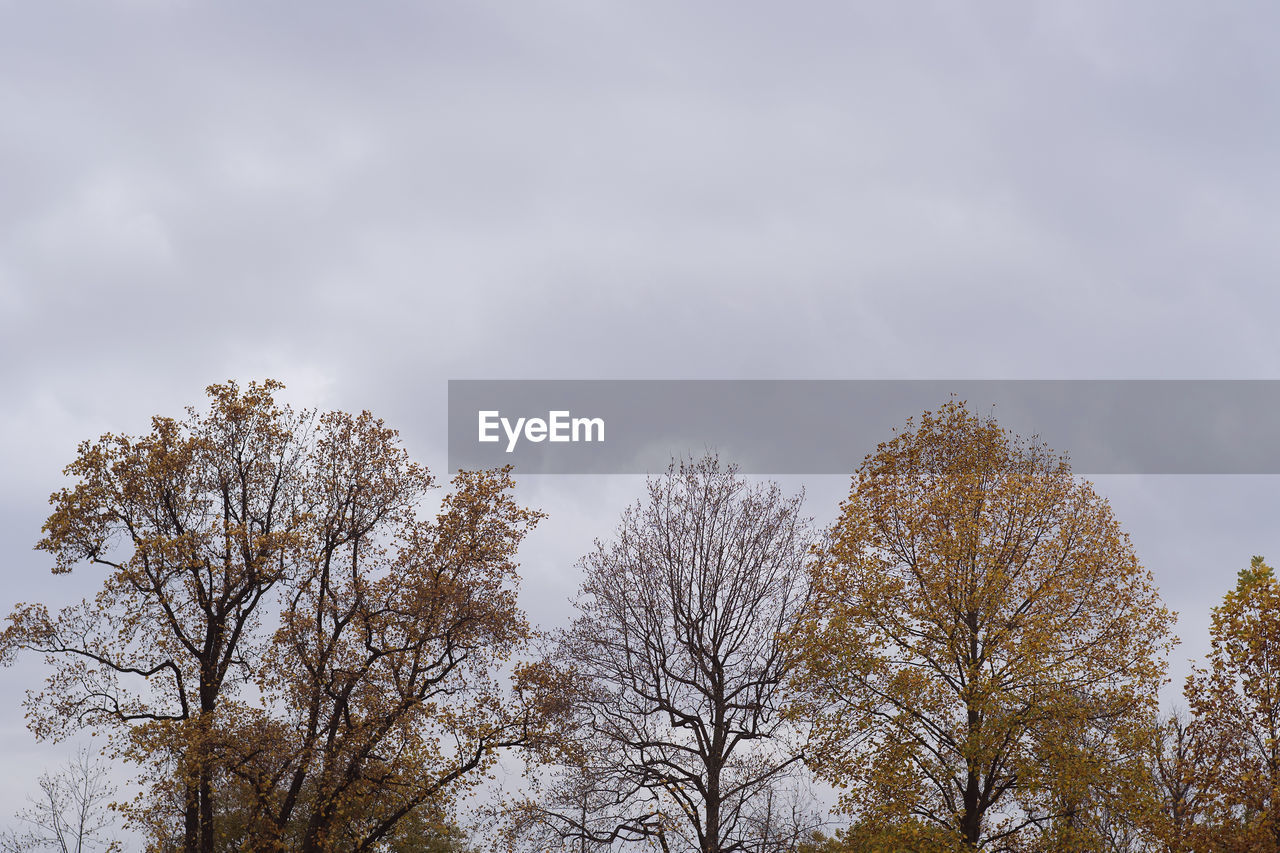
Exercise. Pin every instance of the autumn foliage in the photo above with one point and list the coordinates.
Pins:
(982, 651)
(289, 649)
(295, 655)
(1235, 706)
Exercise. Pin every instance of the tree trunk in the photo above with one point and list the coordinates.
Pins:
(206, 806)
(191, 818)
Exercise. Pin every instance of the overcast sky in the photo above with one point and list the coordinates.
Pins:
(365, 200)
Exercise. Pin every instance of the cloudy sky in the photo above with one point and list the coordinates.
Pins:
(366, 200)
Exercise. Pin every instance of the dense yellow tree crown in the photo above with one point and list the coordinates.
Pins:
(982, 651)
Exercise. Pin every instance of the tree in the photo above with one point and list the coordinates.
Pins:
(674, 668)
(279, 633)
(382, 672)
(195, 523)
(782, 816)
(1109, 803)
(1235, 707)
(1184, 763)
(71, 813)
(982, 646)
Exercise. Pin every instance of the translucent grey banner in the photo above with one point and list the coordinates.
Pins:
(828, 426)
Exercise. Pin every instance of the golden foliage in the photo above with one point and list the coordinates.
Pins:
(1235, 705)
(295, 657)
(982, 651)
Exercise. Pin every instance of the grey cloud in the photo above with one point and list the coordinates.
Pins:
(366, 200)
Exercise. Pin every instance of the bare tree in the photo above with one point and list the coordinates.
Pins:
(71, 813)
(783, 817)
(675, 668)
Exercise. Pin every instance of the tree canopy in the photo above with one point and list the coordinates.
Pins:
(283, 641)
(982, 651)
(1235, 705)
(674, 669)
(297, 655)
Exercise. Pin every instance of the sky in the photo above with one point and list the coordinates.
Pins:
(367, 200)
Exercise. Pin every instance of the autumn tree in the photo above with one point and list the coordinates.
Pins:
(276, 618)
(1184, 764)
(383, 670)
(982, 646)
(195, 523)
(1235, 704)
(674, 669)
(1111, 807)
